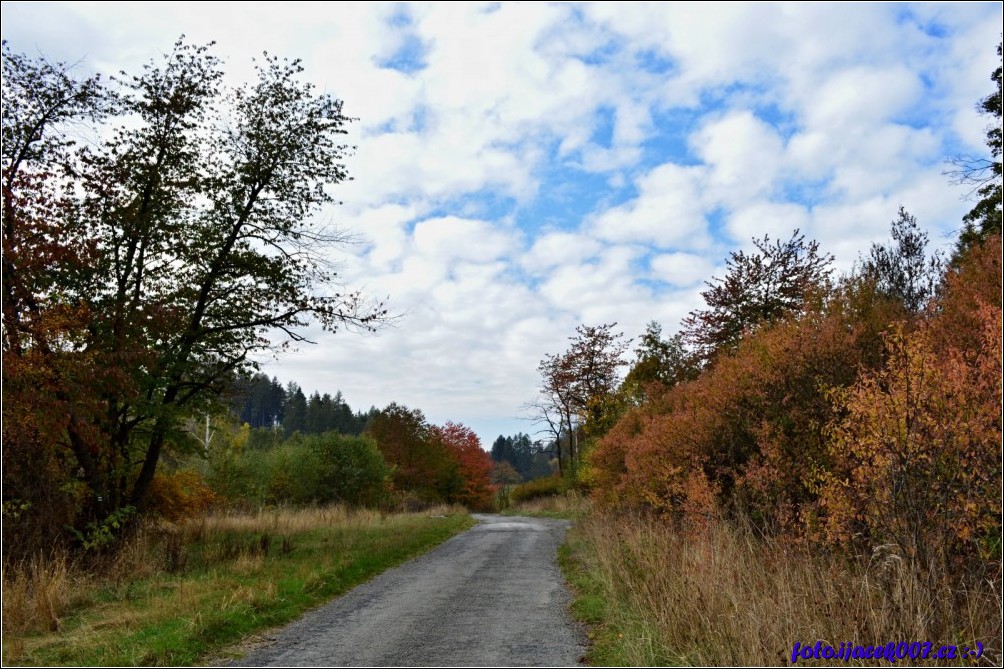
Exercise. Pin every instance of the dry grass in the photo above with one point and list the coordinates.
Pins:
(36, 594)
(725, 597)
(568, 505)
(174, 592)
(281, 520)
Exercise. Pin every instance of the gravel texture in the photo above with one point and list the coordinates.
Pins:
(492, 596)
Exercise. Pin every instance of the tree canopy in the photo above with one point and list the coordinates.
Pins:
(758, 288)
(145, 267)
(983, 174)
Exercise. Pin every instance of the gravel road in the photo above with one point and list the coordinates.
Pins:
(491, 596)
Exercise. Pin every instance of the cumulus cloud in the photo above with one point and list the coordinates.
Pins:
(681, 130)
(680, 269)
(556, 249)
(669, 212)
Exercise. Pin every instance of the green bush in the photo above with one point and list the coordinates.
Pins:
(323, 469)
(350, 469)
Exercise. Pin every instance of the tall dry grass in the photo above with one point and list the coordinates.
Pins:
(37, 592)
(724, 596)
(568, 505)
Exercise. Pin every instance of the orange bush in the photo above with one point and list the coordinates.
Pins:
(180, 494)
(751, 425)
(919, 441)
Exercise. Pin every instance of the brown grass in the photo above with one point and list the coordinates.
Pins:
(726, 597)
(567, 505)
(36, 594)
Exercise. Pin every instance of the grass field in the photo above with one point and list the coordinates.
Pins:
(181, 595)
(727, 597)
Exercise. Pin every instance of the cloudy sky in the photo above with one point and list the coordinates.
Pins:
(522, 168)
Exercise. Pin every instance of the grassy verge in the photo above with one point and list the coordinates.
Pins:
(569, 506)
(726, 597)
(613, 626)
(178, 595)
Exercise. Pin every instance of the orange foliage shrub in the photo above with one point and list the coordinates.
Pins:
(751, 425)
(824, 427)
(179, 495)
(975, 282)
(920, 443)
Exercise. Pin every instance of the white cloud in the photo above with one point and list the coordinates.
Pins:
(681, 269)
(559, 248)
(449, 238)
(669, 211)
(766, 218)
(817, 116)
(744, 155)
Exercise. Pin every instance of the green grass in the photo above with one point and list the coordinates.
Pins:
(610, 632)
(234, 584)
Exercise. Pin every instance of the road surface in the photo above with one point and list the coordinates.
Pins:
(491, 596)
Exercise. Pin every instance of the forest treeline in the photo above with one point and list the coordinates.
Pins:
(263, 402)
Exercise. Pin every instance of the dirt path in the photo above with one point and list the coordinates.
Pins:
(491, 596)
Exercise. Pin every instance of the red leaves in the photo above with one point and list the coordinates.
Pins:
(474, 464)
(438, 463)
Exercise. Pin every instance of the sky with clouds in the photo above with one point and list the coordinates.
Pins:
(522, 168)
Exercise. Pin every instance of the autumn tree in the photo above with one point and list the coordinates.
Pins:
(196, 211)
(48, 382)
(577, 386)
(433, 464)
(982, 174)
(401, 434)
(473, 463)
(594, 360)
(758, 288)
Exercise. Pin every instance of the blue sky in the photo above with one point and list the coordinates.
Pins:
(524, 168)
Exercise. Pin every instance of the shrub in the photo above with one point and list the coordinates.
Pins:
(179, 494)
(350, 469)
(537, 488)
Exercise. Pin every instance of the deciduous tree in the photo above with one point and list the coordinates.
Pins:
(579, 385)
(194, 215)
(758, 288)
(474, 464)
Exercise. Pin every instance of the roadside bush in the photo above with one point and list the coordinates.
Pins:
(918, 446)
(179, 494)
